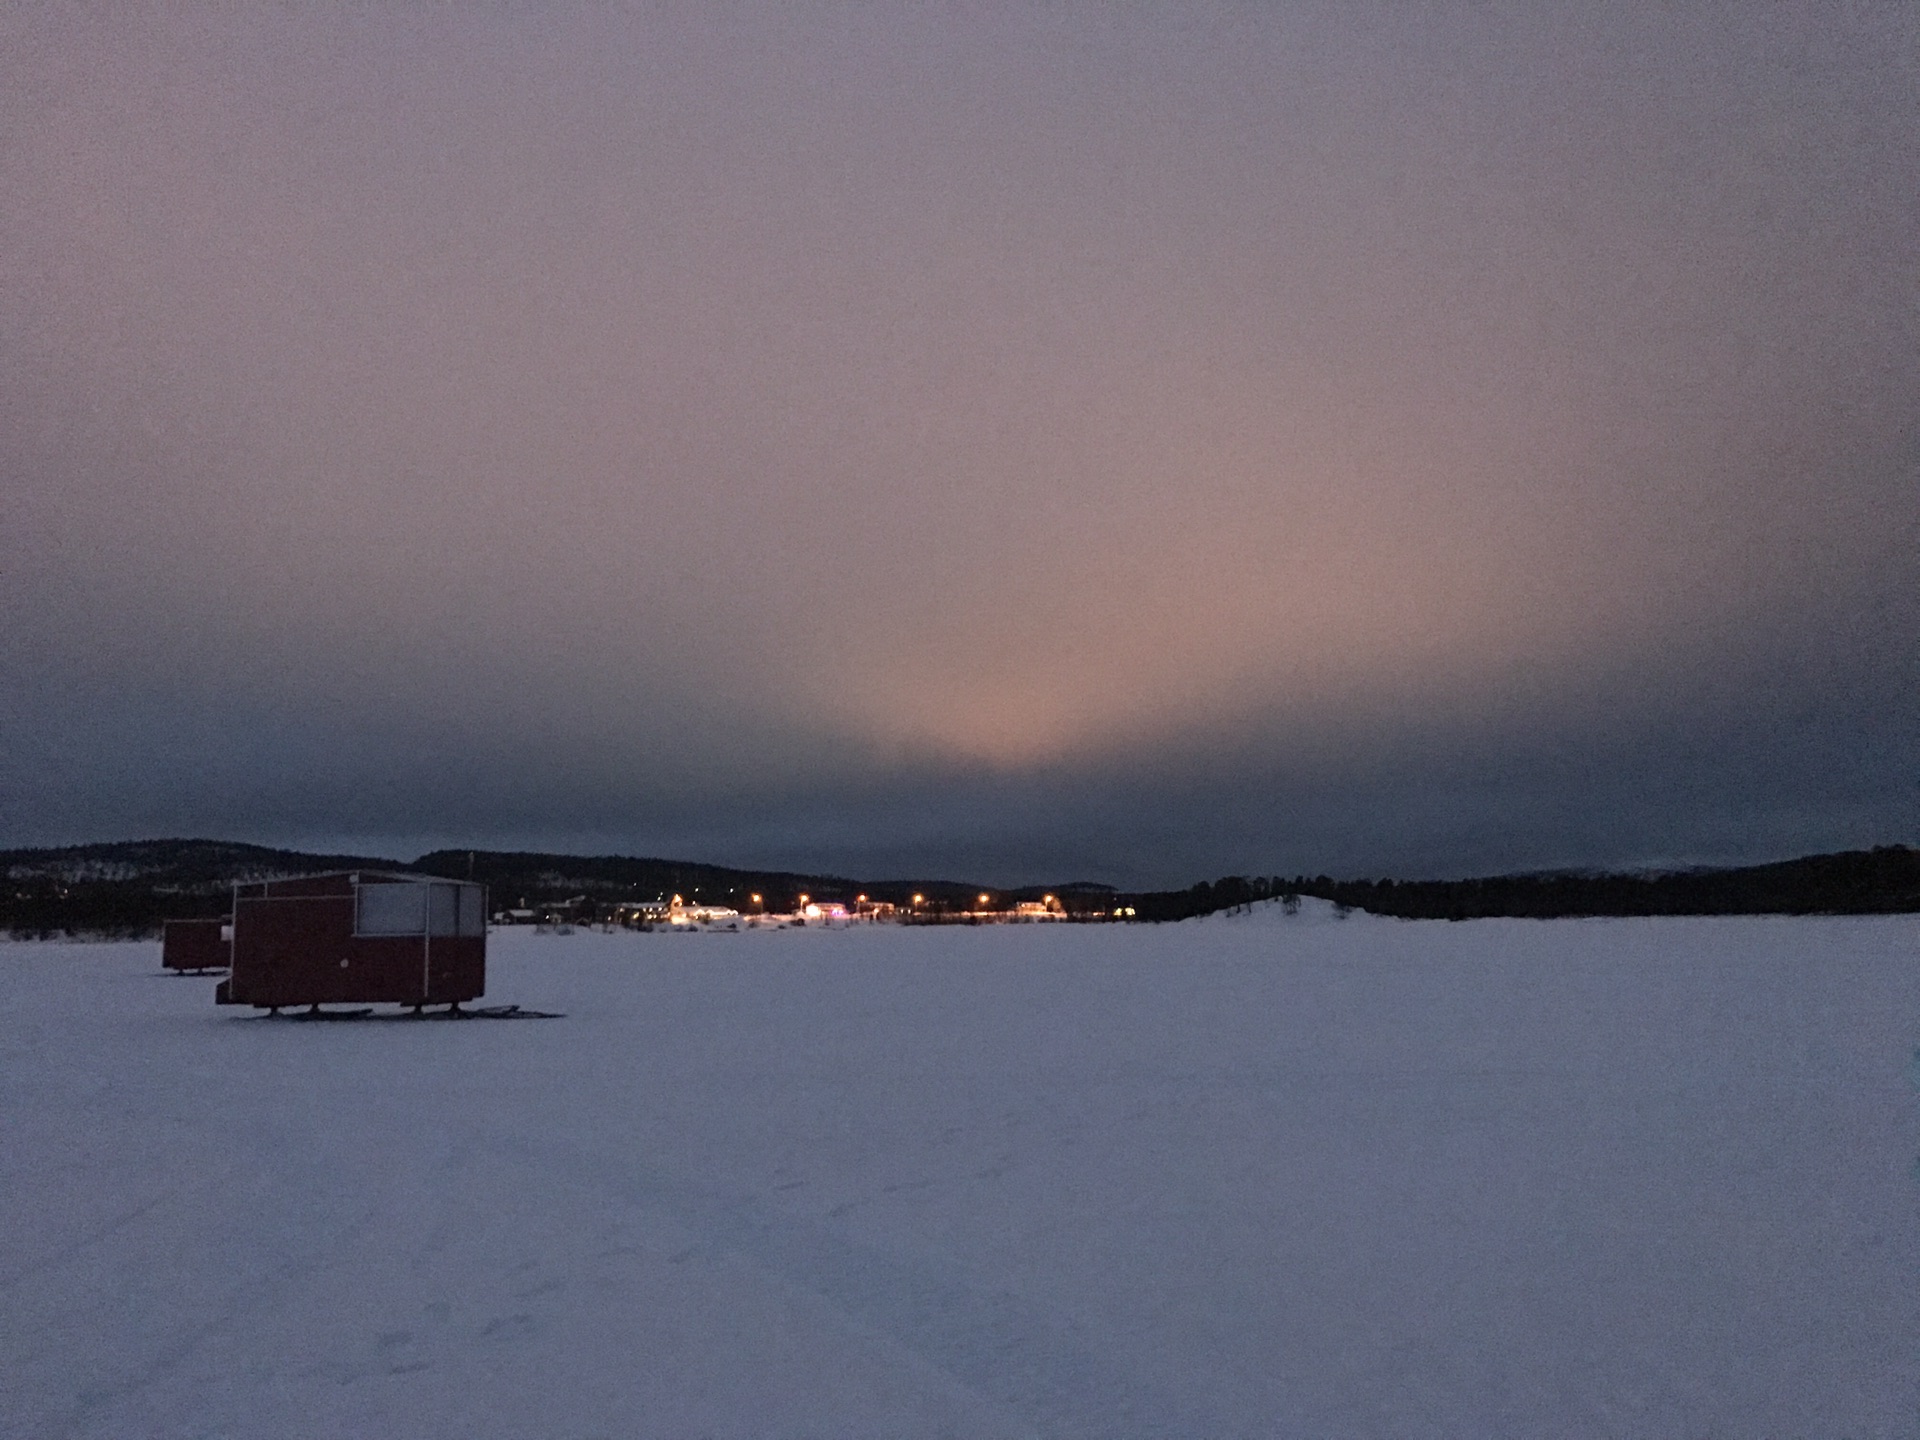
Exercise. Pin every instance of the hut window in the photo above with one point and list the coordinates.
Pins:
(392, 910)
(410, 909)
(473, 917)
(443, 909)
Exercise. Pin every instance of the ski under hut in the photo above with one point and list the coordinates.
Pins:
(359, 937)
(195, 946)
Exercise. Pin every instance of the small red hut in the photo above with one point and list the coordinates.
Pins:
(194, 945)
(357, 938)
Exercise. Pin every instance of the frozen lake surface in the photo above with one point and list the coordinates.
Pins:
(1243, 1176)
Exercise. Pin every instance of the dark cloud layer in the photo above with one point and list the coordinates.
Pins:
(1128, 444)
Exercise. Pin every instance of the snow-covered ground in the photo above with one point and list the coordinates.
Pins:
(1243, 1176)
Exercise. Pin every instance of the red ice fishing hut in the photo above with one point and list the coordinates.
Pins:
(194, 945)
(360, 937)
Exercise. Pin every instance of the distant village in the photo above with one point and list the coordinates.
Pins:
(754, 913)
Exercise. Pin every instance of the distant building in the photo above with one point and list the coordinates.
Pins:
(681, 913)
(677, 913)
(1047, 909)
(636, 913)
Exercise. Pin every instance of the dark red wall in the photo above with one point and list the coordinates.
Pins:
(193, 945)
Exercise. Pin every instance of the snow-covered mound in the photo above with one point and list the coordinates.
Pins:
(1261, 913)
(1251, 1176)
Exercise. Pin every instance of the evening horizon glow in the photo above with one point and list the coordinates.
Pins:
(1127, 446)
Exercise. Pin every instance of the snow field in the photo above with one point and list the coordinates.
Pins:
(1251, 1175)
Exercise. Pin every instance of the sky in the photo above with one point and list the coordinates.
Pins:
(1014, 443)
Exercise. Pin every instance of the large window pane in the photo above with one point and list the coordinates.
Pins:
(392, 910)
(473, 913)
(443, 909)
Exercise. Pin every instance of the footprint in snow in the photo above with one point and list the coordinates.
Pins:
(509, 1328)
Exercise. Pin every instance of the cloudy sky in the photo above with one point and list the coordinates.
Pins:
(1011, 442)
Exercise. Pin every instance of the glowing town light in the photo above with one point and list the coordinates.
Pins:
(919, 899)
(984, 899)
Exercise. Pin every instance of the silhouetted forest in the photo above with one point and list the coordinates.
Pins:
(1884, 880)
(126, 888)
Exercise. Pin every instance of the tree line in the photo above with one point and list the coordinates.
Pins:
(1881, 881)
(128, 889)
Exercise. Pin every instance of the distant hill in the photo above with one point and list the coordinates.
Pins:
(1884, 880)
(129, 887)
(531, 878)
(176, 863)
